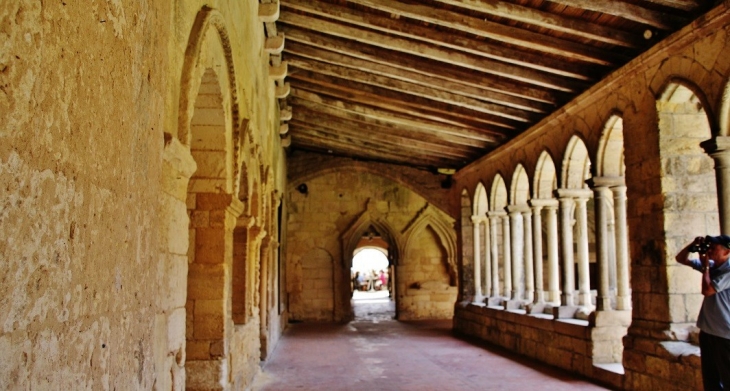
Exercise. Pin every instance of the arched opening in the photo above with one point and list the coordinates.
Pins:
(371, 281)
(467, 246)
(690, 197)
(580, 271)
(499, 235)
(547, 274)
(480, 245)
(523, 282)
(208, 199)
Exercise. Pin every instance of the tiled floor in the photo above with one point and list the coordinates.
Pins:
(377, 353)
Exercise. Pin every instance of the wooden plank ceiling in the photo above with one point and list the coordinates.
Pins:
(436, 84)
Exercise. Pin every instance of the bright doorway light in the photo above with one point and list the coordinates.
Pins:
(369, 259)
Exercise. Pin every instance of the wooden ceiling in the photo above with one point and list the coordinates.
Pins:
(436, 84)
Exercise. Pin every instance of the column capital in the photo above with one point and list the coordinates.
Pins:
(716, 145)
(476, 219)
(494, 214)
(543, 202)
(574, 193)
(606, 181)
(518, 209)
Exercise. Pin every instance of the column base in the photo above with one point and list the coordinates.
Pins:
(565, 311)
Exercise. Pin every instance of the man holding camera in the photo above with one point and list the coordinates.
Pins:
(714, 317)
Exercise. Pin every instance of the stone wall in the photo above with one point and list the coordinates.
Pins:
(342, 202)
(95, 160)
(656, 352)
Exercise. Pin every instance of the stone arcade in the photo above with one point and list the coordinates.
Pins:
(155, 233)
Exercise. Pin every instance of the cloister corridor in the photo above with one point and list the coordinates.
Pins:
(376, 353)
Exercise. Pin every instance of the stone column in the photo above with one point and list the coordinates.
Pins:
(719, 149)
(529, 259)
(537, 251)
(517, 251)
(493, 220)
(623, 290)
(507, 255)
(476, 224)
(566, 228)
(553, 251)
(486, 249)
(603, 299)
(584, 281)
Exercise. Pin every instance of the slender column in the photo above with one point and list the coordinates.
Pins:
(603, 300)
(507, 256)
(487, 267)
(517, 246)
(537, 251)
(552, 255)
(719, 149)
(623, 290)
(476, 224)
(493, 220)
(584, 281)
(566, 228)
(529, 275)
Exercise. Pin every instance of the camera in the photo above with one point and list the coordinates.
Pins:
(702, 246)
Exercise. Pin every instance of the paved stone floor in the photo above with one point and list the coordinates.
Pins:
(375, 352)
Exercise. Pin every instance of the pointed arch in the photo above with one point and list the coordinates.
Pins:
(370, 218)
(576, 164)
(610, 157)
(499, 193)
(442, 225)
(520, 189)
(209, 21)
(481, 204)
(546, 180)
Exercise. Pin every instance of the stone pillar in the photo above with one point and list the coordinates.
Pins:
(493, 220)
(623, 290)
(537, 251)
(566, 228)
(529, 259)
(507, 256)
(553, 251)
(476, 224)
(486, 250)
(719, 149)
(517, 251)
(603, 299)
(584, 281)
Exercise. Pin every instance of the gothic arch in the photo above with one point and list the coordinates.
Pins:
(499, 193)
(208, 20)
(576, 164)
(520, 189)
(481, 204)
(545, 177)
(430, 217)
(610, 157)
(370, 217)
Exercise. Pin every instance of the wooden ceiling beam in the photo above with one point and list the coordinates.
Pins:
(535, 17)
(633, 12)
(339, 59)
(384, 134)
(452, 57)
(377, 143)
(346, 148)
(492, 30)
(407, 88)
(452, 41)
(497, 88)
(398, 123)
(395, 102)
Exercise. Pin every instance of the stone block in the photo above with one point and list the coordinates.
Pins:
(176, 329)
(204, 308)
(197, 350)
(209, 327)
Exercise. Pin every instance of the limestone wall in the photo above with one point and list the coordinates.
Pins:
(341, 203)
(94, 166)
(664, 210)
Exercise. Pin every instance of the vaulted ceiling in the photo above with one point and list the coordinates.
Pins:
(436, 84)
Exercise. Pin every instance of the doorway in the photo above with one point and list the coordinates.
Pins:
(371, 283)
